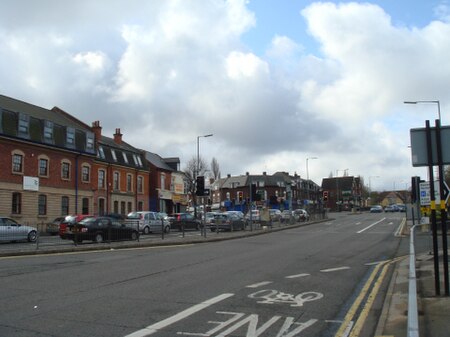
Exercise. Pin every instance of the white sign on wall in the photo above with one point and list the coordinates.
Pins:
(30, 183)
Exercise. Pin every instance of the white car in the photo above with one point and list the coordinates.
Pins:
(148, 222)
(11, 230)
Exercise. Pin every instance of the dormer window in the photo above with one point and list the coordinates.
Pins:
(101, 153)
(70, 137)
(48, 132)
(125, 158)
(24, 125)
(113, 154)
(90, 142)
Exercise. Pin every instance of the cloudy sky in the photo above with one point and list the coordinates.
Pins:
(275, 82)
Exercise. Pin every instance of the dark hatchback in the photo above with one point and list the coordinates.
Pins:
(227, 222)
(183, 221)
(100, 229)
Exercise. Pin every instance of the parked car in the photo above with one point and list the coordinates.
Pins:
(401, 207)
(286, 215)
(116, 216)
(53, 227)
(255, 215)
(148, 222)
(70, 219)
(275, 214)
(376, 209)
(301, 215)
(239, 214)
(391, 208)
(185, 221)
(227, 222)
(208, 217)
(11, 230)
(100, 229)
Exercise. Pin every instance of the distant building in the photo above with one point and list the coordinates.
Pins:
(343, 193)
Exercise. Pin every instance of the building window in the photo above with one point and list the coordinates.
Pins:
(140, 184)
(122, 207)
(64, 205)
(125, 158)
(113, 154)
(116, 206)
(24, 124)
(101, 152)
(85, 206)
(129, 183)
(43, 167)
(90, 142)
(163, 181)
(101, 206)
(85, 173)
(48, 132)
(65, 170)
(70, 136)
(140, 206)
(17, 162)
(116, 181)
(16, 203)
(101, 178)
(130, 205)
(42, 204)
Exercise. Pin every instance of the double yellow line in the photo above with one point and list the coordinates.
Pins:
(347, 328)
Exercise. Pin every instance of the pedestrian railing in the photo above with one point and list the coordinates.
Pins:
(413, 321)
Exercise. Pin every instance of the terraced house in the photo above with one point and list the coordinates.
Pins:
(53, 164)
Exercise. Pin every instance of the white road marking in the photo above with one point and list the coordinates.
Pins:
(298, 275)
(260, 284)
(151, 329)
(375, 223)
(333, 269)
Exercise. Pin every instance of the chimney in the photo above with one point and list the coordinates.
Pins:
(97, 130)
(264, 173)
(246, 173)
(118, 137)
(228, 175)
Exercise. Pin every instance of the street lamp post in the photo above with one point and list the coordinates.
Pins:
(197, 168)
(307, 177)
(435, 102)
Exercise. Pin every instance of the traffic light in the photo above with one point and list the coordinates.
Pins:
(200, 186)
(325, 195)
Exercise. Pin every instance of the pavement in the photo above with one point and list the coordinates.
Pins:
(433, 310)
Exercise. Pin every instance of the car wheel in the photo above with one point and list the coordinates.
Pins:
(32, 236)
(134, 235)
(98, 238)
(146, 230)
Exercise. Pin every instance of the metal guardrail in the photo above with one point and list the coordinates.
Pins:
(413, 320)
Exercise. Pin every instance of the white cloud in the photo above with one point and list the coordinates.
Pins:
(167, 71)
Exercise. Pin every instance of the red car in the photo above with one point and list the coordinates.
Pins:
(70, 219)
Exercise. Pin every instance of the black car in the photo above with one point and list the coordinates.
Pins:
(100, 229)
(227, 222)
(183, 221)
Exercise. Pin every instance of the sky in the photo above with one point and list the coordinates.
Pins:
(306, 87)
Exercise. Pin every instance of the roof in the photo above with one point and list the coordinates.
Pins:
(56, 128)
(157, 161)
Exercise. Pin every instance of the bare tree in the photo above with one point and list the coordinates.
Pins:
(190, 171)
(215, 169)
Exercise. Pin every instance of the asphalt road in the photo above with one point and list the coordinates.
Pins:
(317, 280)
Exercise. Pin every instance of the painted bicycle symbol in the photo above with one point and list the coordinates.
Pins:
(270, 296)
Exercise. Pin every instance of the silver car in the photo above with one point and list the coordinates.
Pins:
(148, 222)
(11, 230)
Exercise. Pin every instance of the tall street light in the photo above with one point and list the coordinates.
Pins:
(197, 169)
(307, 176)
(419, 102)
